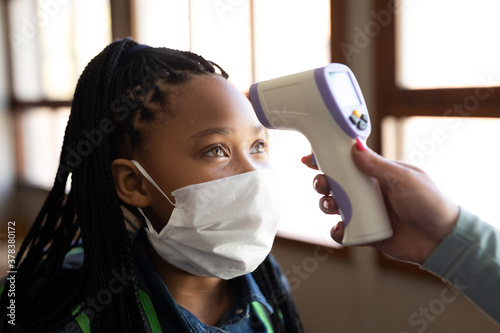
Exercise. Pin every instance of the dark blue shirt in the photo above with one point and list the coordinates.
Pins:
(249, 312)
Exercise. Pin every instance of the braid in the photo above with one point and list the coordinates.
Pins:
(104, 119)
(273, 289)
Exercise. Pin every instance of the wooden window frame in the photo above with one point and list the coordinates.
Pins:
(393, 100)
(121, 26)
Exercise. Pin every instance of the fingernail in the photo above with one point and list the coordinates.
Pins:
(326, 205)
(303, 159)
(360, 145)
(315, 184)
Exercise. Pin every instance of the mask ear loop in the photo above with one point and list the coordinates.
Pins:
(148, 223)
(148, 177)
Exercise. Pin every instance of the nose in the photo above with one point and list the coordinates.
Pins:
(249, 162)
(246, 164)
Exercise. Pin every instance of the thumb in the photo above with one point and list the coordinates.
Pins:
(374, 165)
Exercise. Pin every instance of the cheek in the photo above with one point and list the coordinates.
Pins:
(201, 172)
(191, 169)
(159, 212)
(263, 159)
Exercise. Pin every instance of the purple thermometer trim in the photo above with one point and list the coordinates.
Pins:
(341, 199)
(314, 160)
(325, 91)
(257, 106)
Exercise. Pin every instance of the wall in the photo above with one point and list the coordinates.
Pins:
(357, 290)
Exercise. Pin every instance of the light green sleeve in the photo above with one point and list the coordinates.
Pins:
(470, 259)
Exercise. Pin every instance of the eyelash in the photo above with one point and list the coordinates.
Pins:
(217, 150)
(220, 148)
(261, 144)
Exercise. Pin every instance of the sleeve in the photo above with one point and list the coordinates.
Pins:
(469, 257)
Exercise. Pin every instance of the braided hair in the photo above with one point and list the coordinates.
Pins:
(285, 317)
(109, 116)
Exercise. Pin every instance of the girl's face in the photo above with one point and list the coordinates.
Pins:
(214, 134)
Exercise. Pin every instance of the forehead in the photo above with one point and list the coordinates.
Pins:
(209, 98)
(204, 104)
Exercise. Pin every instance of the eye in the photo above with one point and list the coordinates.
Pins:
(259, 148)
(218, 151)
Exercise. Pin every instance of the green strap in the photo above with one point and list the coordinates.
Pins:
(262, 313)
(84, 322)
(74, 250)
(82, 319)
(150, 311)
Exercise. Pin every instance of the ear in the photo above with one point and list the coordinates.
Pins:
(129, 183)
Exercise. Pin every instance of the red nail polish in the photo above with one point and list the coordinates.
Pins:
(303, 159)
(326, 205)
(360, 145)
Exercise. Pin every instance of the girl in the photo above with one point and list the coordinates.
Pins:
(159, 139)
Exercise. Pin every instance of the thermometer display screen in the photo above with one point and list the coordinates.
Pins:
(343, 90)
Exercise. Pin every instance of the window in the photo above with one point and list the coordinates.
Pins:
(459, 154)
(456, 47)
(50, 44)
(52, 41)
(43, 133)
(438, 94)
(244, 38)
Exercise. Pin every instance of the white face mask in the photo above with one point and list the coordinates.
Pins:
(222, 228)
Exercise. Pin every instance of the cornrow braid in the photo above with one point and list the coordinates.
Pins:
(113, 102)
(164, 66)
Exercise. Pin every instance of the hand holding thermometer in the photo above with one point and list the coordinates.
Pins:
(326, 105)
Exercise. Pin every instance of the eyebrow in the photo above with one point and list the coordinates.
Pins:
(224, 131)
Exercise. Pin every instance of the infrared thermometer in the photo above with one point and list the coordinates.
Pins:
(326, 105)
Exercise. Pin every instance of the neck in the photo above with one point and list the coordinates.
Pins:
(206, 298)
